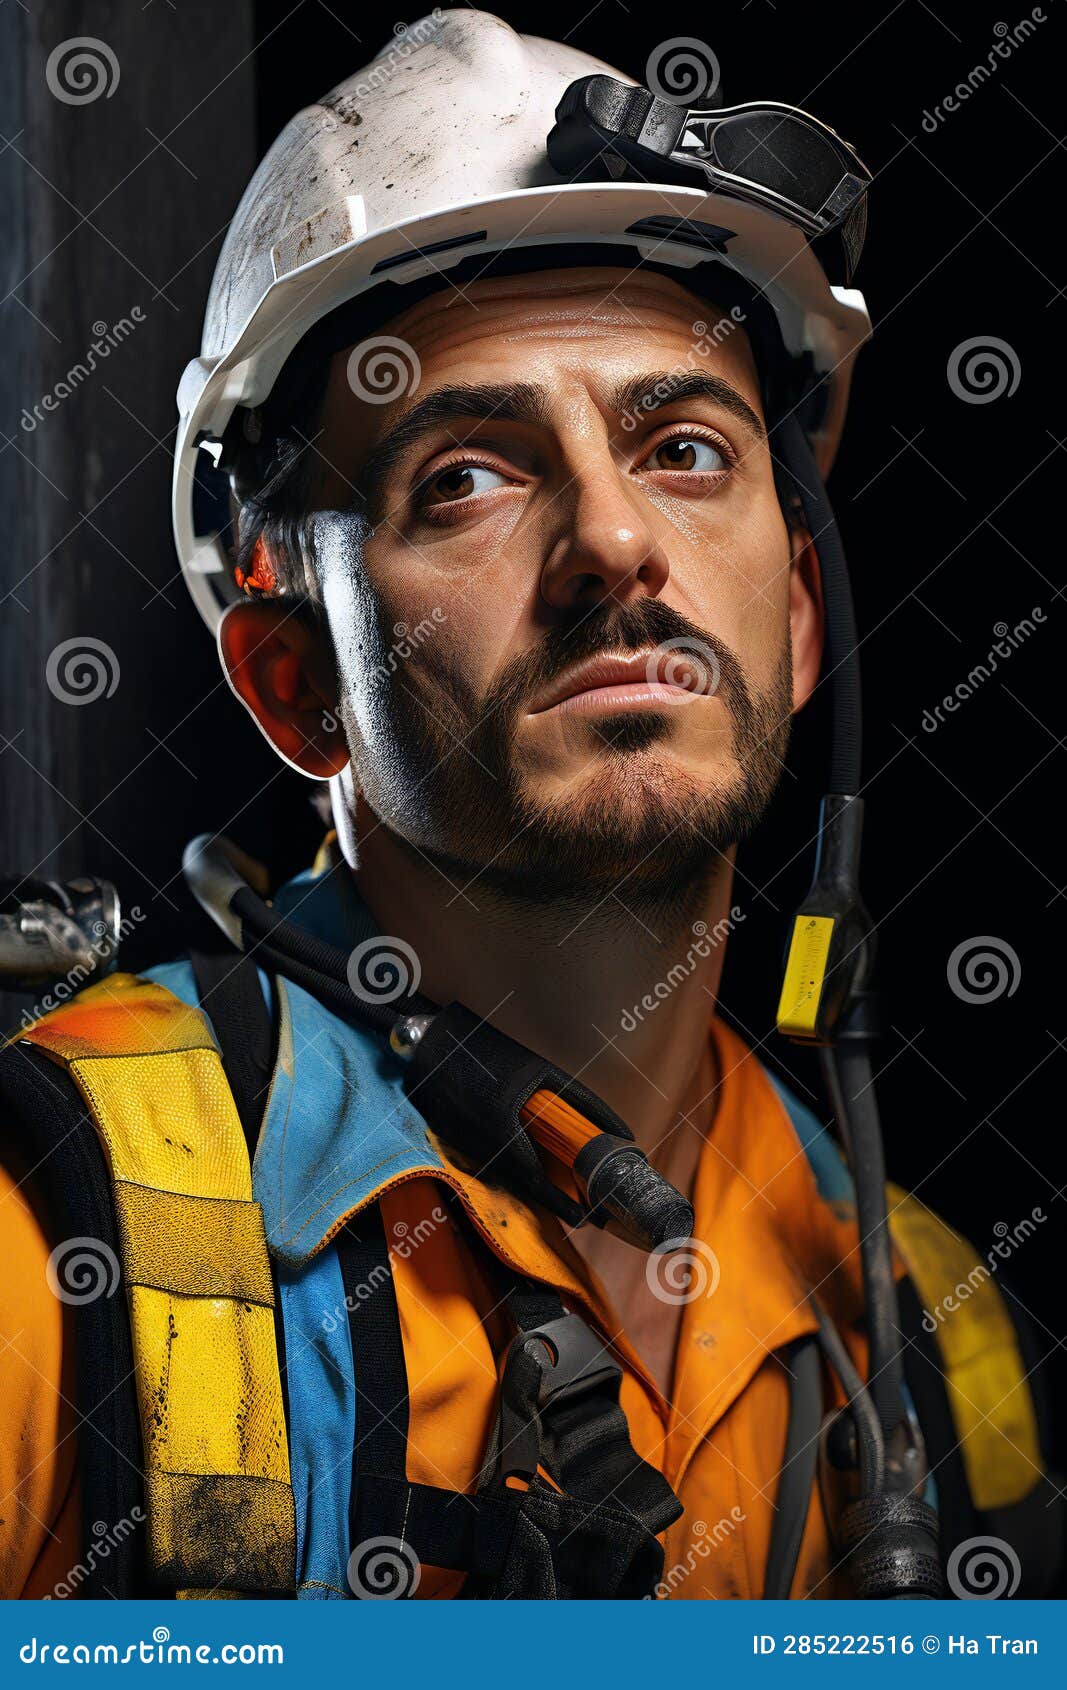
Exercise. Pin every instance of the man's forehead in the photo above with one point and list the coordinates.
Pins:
(593, 323)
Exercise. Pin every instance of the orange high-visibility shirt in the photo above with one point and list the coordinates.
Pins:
(719, 1441)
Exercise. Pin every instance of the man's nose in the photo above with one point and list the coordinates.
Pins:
(606, 547)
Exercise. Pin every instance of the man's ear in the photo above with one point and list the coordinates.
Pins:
(279, 666)
(806, 616)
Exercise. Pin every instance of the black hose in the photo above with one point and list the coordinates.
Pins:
(842, 640)
(886, 1373)
(869, 1440)
(320, 968)
(832, 1086)
(847, 1065)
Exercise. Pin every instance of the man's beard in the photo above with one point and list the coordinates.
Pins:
(636, 825)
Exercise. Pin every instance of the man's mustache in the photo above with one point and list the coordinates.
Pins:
(620, 628)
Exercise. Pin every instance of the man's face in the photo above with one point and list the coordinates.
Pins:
(563, 651)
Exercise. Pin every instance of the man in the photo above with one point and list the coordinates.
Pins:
(527, 572)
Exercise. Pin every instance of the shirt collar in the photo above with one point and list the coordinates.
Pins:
(774, 1215)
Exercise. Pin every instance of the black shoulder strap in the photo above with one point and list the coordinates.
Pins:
(596, 1538)
(231, 995)
(49, 1133)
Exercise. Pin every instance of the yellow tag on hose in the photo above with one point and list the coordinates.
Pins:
(798, 1007)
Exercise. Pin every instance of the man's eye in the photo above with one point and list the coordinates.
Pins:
(686, 452)
(460, 481)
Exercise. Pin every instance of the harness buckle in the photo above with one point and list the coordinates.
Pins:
(578, 1360)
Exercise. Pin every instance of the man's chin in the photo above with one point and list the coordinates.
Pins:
(638, 826)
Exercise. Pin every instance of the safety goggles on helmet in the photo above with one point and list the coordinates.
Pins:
(766, 154)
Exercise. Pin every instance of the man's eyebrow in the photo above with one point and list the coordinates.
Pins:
(500, 401)
(646, 394)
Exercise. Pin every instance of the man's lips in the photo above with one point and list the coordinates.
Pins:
(637, 680)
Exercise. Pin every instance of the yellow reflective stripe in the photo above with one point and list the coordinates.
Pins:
(200, 1368)
(168, 1121)
(220, 1505)
(989, 1395)
(194, 1246)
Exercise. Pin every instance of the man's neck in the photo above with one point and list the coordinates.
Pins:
(618, 997)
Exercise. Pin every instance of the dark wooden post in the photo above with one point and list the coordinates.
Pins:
(126, 138)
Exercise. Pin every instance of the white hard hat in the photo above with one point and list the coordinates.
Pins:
(433, 153)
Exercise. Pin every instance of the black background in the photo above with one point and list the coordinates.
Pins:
(950, 514)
